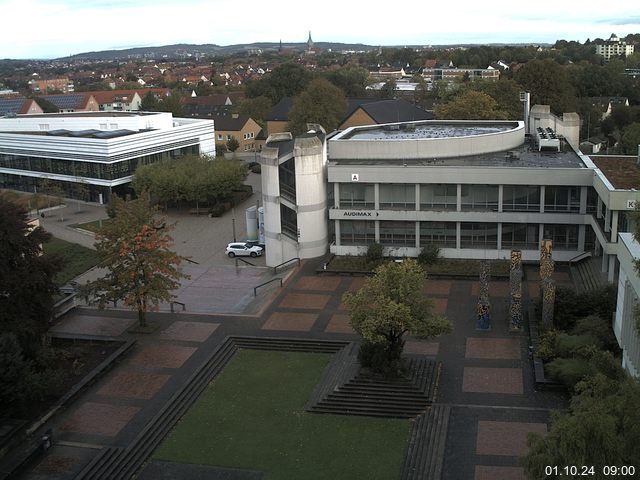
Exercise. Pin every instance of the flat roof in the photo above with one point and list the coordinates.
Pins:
(525, 156)
(428, 129)
(91, 133)
(88, 114)
(622, 171)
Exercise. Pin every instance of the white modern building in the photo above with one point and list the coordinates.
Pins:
(624, 325)
(98, 149)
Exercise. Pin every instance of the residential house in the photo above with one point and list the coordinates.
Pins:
(73, 102)
(207, 107)
(614, 47)
(18, 106)
(372, 112)
(242, 127)
(54, 84)
(607, 104)
(117, 100)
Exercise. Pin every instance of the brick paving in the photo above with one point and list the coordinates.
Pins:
(437, 287)
(493, 380)
(162, 356)
(493, 348)
(505, 438)
(125, 384)
(90, 325)
(99, 418)
(308, 301)
(339, 323)
(418, 347)
(318, 283)
(485, 472)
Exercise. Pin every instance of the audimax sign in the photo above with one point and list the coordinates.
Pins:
(359, 213)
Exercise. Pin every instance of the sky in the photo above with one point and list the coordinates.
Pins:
(56, 28)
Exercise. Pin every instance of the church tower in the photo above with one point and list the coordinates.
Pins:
(309, 43)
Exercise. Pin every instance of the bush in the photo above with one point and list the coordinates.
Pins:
(569, 345)
(429, 255)
(569, 370)
(374, 253)
(547, 344)
(571, 306)
(598, 328)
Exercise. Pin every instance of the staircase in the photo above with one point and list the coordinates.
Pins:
(586, 275)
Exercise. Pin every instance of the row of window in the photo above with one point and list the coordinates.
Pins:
(472, 234)
(515, 198)
(75, 168)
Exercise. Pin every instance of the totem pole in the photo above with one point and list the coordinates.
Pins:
(515, 283)
(547, 266)
(483, 321)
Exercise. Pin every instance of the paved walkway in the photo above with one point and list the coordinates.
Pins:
(486, 376)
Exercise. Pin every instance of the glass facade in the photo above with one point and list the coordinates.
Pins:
(565, 237)
(287, 175)
(288, 222)
(478, 235)
(96, 170)
(398, 196)
(562, 199)
(480, 197)
(357, 195)
(443, 196)
(441, 234)
(520, 235)
(357, 232)
(398, 234)
(520, 198)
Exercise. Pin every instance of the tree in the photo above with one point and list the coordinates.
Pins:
(388, 306)
(549, 84)
(256, 108)
(602, 428)
(388, 90)
(26, 279)
(286, 80)
(233, 144)
(321, 102)
(630, 140)
(149, 103)
(352, 79)
(470, 105)
(135, 248)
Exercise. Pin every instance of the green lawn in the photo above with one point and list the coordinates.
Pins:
(76, 258)
(252, 417)
(93, 226)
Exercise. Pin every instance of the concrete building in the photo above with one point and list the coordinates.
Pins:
(98, 150)
(476, 189)
(614, 48)
(624, 325)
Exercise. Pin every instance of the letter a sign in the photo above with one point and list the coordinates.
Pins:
(355, 177)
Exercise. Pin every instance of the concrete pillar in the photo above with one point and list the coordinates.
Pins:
(500, 230)
(377, 230)
(542, 194)
(459, 199)
(540, 234)
(500, 200)
(458, 228)
(582, 233)
(417, 196)
(336, 195)
(599, 208)
(336, 224)
(417, 234)
(607, 221)
(612, 268)
(614, 226)
(605, 260)
(583, 200)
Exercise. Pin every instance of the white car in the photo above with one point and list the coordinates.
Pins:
(242, 249)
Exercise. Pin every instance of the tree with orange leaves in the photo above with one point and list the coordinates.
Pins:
(135, 248)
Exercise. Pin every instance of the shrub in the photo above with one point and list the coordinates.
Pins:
(429, 255)
(598, 328)
(571, 306)
(569, 370)
(569, 345)
(547, 344)
(374, 253)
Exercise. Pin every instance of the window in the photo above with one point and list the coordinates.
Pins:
(520, 235)
(398, 196)
(480, 197)
(399, 234)
(357, 232)
(520, 198)
(565, 237)
(220, 137)
(562, 199)
(356, 195)
(441, 234)
(289, 222)
(251, 134)
(228, 137)
(439, 197)
(478, 235)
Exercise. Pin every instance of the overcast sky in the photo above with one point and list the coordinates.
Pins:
(56, 28)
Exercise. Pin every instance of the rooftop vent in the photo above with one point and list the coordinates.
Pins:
(547, 139)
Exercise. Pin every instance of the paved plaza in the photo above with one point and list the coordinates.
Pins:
(486, 377)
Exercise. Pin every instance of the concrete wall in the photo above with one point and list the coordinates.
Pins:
(567, 126)
(628, 291)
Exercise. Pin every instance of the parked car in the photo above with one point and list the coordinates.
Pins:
(243, 249)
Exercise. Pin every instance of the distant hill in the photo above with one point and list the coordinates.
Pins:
(184, 50)
(187, 50)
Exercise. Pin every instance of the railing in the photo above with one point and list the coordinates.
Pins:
(171, 304)
(63, 306)
(296, 259)
(191, 261)
(579, 257)
(255, 289)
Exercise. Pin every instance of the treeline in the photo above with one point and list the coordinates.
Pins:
(191, 179)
